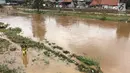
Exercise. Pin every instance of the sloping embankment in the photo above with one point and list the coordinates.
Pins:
(83, 64)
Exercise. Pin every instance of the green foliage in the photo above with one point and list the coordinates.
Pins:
(22, 41)
(5, 69)
(46, 62)
(4, 44)
(14, 30)
(58, 47)
(17, 29)
(37, 4)
(27, 3)
(35, 11)
(11, 61)
(2, 25)
(87, 61)
(47, 53)
(103, 18)
(66, 52)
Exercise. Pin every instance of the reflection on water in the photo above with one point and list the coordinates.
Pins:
(123, 30)
(92, 37)
(66, 20)
(38, 26)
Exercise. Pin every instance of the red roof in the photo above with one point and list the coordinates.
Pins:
(104, 2)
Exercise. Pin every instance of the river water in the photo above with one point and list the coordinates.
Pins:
(106, 41)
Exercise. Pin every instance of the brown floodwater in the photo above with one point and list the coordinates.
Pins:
(109, 42)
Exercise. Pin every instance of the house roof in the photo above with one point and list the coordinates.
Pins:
(104, 2)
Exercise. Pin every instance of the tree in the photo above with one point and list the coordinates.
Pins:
(27, 3)
(38, 4)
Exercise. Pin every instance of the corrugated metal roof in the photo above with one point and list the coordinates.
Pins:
(104, 2)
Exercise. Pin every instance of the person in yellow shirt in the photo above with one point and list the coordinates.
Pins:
(24, 49)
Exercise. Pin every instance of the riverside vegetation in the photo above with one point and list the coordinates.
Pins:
(90, 15)
(83, 64)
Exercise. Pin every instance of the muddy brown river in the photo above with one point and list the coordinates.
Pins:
(109, 42)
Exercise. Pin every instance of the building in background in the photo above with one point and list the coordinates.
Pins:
(83, 3)
(110, 4)
(106, 4)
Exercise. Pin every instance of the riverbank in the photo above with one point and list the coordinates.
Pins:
(120, 17)
(83, 64)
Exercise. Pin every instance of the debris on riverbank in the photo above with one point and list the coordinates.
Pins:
(83, 64)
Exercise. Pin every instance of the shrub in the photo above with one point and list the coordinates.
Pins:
(5, 69)
(103, 18)
(4, 44)
(87, 61)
